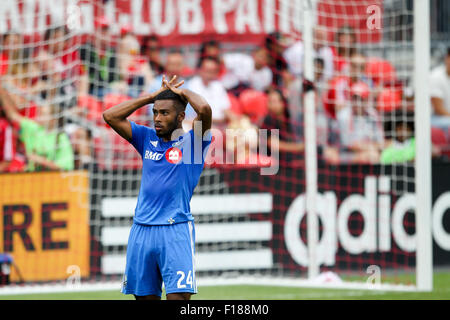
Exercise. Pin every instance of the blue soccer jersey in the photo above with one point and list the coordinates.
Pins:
(170, 173)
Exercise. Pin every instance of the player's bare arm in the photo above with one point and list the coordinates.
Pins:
(9, 106)
(117, 116)
(198, 103)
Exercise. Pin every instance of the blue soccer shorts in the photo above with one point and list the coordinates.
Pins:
(157, 254)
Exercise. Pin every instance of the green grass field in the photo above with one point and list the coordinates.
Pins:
(441, 292)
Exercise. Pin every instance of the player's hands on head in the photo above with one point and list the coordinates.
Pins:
(172, 85)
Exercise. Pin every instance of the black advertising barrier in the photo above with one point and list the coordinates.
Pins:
(363, 184)
(335, 182)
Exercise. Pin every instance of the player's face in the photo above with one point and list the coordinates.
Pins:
(166, 118)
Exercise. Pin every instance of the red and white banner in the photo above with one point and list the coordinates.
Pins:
(188, 21)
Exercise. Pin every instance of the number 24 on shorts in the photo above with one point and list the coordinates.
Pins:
(182, 276)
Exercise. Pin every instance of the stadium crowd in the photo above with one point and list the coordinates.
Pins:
(52, 97)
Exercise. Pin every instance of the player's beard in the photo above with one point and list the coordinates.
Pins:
(167, 134)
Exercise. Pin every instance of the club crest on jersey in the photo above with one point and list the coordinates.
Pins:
(174, 155)
(150, 155)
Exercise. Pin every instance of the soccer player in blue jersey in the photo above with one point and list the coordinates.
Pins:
(161, 242)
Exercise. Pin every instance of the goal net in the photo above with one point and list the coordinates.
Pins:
(312, 175)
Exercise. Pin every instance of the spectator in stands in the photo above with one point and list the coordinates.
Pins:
(151, 49)
(337, 95)
(100, 60)
(400, 144)
(357, 69)
(295, 53)
(274, 43)
(278, 117)
(64, 48)
(134, 69)
(11, 47)
(319, 74)
(344, 48)
(211, 48)
(324, 51)
(61, 69)
(247, 71)
(7, 143)
(174, 65)
(360, 131)
(440, 94)
(47, 146)
(295, 95)
(320, 86)
(261, 77)
(206, 83)
(24, 82)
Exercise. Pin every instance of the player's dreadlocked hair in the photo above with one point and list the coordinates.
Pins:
(180, 103)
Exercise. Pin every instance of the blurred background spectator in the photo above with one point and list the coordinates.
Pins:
(174, 65)
(275, 43)
(7, 143)
(440, 94)
(47, 146)
(207, 84)
(257, 85)
(344, 47)
(151, 50)
(100, 60)
(294, 54)
(11, 45)
(135, 71)
(278, 117)
(360, 127)
(247, 71)
(400, 145)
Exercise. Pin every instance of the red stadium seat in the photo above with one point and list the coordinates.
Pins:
(360, 89)
(235, 105)
(253, 104)
(93, 107)
(438, 136)
(32, 39)
(381, 71)
(30, 111)
(389, 99)
(440, 139)
(112, 99)
(114, 152)
(329, 97)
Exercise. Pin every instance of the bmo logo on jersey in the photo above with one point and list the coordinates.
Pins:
(150, 155)
(174, 155)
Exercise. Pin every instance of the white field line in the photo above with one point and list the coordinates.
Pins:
(257, 281)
